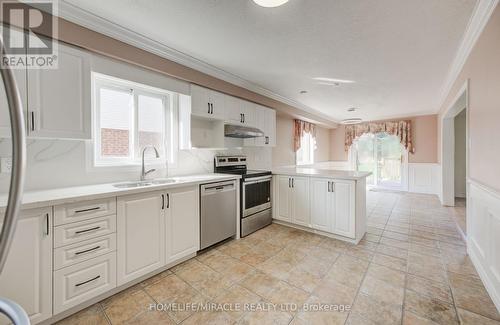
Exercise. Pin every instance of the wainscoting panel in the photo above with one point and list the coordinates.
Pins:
(483, 240)
(423, 178)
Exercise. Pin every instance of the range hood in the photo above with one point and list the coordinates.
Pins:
(241, 132)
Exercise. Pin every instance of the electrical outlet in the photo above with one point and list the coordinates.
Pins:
(5, 165)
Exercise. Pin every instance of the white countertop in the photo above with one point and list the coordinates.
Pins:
(44, 198)
(320, 172)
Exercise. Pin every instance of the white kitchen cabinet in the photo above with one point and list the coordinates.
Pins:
(322, 204)
(282, 197)
(300, 201)
(344, 216)
(265, 120)
(27, 277)
(293, 199)
(238, 111)
(207, 103)
(59, 100)
(182, 226)
(20, 78)
(140, 235)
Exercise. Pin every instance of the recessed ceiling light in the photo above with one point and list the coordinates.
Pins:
(333, 80)
(349, 121)
(270, 3)
(303, 92)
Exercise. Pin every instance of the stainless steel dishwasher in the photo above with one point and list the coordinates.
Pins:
(218, 212)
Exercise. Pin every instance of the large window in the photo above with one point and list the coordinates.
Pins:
(127, 118)
(305, 155)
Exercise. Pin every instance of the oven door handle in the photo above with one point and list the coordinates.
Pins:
(256, 180)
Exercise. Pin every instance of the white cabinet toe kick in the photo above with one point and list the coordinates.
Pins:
(327, 206)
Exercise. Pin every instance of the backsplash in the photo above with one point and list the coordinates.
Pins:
(64, 163)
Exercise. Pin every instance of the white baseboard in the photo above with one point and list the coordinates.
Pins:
(424, 178)
(483, 242)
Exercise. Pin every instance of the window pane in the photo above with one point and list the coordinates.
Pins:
(115, 122)
(151, 121)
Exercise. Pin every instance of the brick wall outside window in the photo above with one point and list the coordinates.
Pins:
(115, 142)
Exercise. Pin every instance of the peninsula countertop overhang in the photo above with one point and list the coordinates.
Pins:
(320, 172)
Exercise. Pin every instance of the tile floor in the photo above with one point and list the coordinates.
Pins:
(411, 268)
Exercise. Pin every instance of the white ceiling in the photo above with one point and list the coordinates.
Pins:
(398, 52)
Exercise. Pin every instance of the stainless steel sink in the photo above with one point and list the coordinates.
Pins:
(144, 183)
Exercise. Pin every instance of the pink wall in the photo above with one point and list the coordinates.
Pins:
(482, 69)
(424, 138)
(283, 153)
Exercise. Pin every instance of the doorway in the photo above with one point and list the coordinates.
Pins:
(384, 156)
(455, 156)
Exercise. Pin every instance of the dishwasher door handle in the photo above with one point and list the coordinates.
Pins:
(214, 188)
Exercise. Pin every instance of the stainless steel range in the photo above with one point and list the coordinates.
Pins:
(255, 192)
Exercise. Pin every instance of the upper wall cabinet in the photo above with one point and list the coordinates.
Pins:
(265, 120)
(207, 103)
(239, 111)
(20, 78)
(59, 100)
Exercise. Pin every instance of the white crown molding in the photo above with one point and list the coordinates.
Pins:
(480, 16)
(91, 21)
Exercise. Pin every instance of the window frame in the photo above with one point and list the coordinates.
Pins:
(100, 81)
(310, 147)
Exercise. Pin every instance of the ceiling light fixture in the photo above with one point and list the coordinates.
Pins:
(332, 80)
(350, 121)
(303, 92)
(270, 3)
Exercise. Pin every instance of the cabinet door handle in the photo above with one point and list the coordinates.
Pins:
(87, 210)
(168, 201)
(32, 117)
(333, 187)
(243, 118)
(163, 201)
(212, 105)
(267, 140)
(87, 230)
(293, 183)
(85, 282)
(208, 108)
(88, 250)
(47, 225)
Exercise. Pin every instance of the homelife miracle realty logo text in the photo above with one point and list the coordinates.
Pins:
(29, 31)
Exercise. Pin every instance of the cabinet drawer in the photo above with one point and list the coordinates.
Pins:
(85, 210)
(76, 253)
(83, 281)
(83, 230)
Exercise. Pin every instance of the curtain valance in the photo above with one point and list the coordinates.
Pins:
(401, 129)
(299, 129)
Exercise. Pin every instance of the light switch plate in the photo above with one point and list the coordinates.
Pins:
(5, 165)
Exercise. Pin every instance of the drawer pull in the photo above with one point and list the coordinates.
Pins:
(87, 230)
(87, 210)
(88, 250)
(85, 282)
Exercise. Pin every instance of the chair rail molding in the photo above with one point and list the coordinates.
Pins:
(483, 242)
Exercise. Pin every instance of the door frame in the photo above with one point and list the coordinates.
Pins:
(447, 120)
(404, 173)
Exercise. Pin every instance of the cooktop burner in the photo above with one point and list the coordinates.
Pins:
(237, 165)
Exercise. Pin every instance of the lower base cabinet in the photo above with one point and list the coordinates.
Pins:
(78, 283)
(319, 203)
(27, 276)
(182, 223)
(155, 229)
(140, 235)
